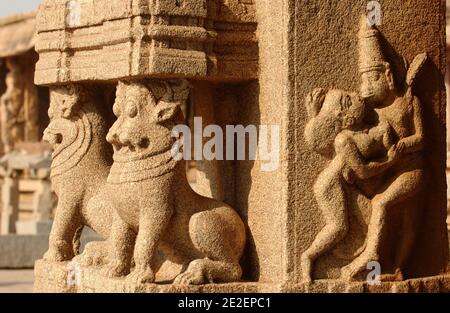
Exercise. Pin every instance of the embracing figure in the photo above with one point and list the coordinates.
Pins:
(390, 148)
(403, 113)
(336, 130)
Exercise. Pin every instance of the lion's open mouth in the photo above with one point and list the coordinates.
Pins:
(124, 150)
(53, 138)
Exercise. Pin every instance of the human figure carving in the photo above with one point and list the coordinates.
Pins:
(403, 113)
(153, 204)
(81, 162)
(336, 130)
(391, 149)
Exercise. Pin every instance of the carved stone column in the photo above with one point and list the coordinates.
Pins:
(30, 101)
(347, 186)
(31, 174)
(447, 87)
(155, 47)
(42, 198)
(209, 181)
(11, 106)
(10, 201)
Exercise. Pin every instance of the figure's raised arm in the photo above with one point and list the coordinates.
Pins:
(415, 142)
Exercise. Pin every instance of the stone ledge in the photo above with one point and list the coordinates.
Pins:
(133, 39)
(53, 277)
(21, 251)
(435, 284)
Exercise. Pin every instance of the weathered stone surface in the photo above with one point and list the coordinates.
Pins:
(104, 40)
(17, 34)
(21, 251)
(329, 57)
(64, 277)
(350, 200)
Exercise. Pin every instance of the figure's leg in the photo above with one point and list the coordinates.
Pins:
(120, 248)
(403, 187)
(219, 234)
(331, 198)
(66, 222)
(404, 248)
(152, 225)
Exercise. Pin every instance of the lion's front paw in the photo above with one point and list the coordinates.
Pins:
(59, 252)
(190, 277)
(141, 275)
(115, 269)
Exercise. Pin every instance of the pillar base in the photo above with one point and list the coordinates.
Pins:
(59, 277)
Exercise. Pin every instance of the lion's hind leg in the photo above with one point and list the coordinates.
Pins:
(219, 234)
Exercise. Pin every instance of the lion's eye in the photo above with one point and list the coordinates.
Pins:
(132, 111)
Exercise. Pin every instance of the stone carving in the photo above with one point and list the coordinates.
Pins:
(336, 130)
(31, 106)
(153, 204)
(81, 163)
(19, 106)
(249, 60)
(143, 199)
(389, 148)
(11, 107)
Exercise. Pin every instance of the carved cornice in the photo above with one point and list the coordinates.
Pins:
(109, 40)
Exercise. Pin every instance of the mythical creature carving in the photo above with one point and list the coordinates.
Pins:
(80, 167)
(153, 205)
(389, 149)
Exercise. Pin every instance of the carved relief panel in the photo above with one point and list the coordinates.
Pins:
(374, 141)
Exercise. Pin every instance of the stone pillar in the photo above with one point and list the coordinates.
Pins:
(30, 101)
(350, 116)
(11, 106)
(42, 198)
(447, 87)
(26, 171)
(208, 173)
(10, 202)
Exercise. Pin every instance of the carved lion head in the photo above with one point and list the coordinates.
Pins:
(69, 131)
(146, 114)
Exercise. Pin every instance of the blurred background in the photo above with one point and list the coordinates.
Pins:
(10, 7)
(16, 45)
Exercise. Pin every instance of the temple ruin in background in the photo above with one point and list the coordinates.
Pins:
(27, 202)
